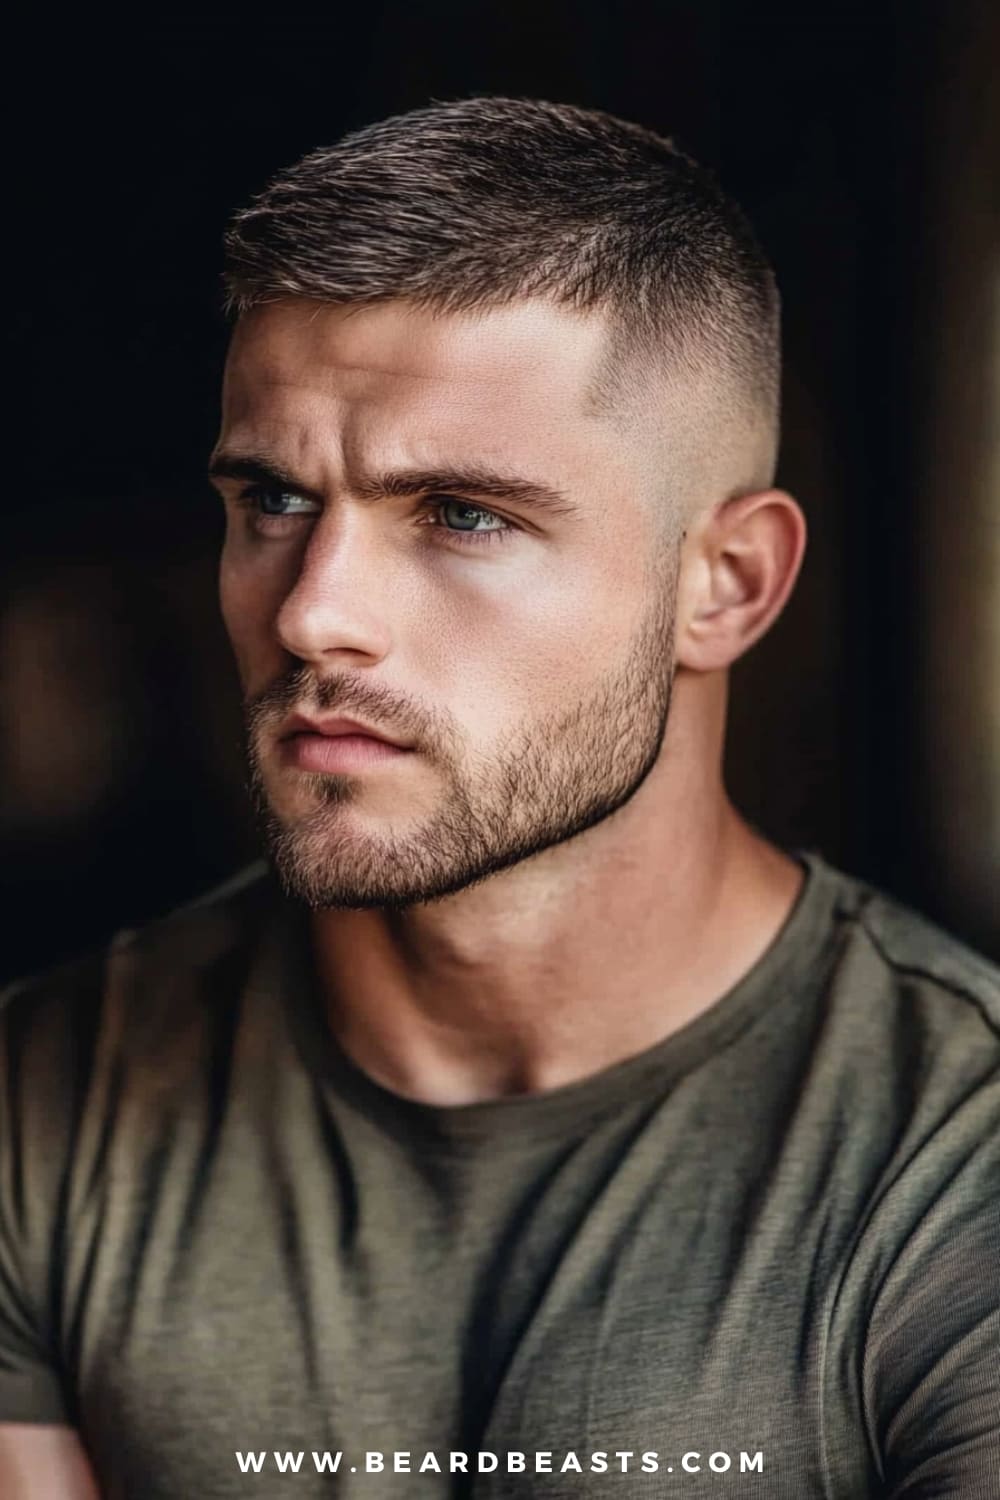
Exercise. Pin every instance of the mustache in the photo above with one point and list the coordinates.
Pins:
(300, 690)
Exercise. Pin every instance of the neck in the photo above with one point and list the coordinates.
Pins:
(569, 962)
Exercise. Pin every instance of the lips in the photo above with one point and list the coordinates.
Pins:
(337, 728)
(329, 746)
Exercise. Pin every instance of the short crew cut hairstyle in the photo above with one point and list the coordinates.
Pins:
(469, 204)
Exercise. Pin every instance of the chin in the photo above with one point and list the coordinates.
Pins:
(355, 874)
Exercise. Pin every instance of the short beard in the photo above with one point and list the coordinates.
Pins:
(552, 780)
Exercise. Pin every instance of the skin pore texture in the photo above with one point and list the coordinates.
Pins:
(552, 878)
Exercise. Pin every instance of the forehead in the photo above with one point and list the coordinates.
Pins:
(410, 382)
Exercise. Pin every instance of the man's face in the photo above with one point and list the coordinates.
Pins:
(427, 531)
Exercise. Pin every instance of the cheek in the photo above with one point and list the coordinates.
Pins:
(539, 645)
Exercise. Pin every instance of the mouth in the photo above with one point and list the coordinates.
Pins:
(337, 744)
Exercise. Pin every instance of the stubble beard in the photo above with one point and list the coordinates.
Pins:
(551, 780)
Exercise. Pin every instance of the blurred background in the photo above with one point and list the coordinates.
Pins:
(862, 141)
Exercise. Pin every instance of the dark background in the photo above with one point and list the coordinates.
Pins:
(860, 140)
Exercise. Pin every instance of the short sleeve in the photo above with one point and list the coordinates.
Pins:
(932, 1358)
(31, 1389)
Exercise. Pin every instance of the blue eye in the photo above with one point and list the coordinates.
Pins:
(470, 515)
(266, 506)
(281, 502)
(452, 520)
(448, 505)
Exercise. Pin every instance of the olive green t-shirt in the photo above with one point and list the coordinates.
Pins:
(761, 1257)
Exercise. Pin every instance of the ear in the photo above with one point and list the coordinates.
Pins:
(738, 566)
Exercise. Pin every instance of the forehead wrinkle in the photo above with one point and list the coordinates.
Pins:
(380, 431)
(394, 395)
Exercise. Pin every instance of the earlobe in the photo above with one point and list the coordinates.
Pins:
(738, 572)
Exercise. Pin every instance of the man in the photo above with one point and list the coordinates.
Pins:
(530, 1124)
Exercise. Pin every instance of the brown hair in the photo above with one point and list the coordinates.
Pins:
(471, 203)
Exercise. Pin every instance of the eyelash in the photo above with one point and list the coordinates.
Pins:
(249, 498)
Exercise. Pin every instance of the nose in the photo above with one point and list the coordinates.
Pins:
(333, 606)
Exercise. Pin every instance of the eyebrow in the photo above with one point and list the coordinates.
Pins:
(470, 479)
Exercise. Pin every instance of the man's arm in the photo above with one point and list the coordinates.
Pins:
(39, 1461)
(42, 1456)
(932, 1363)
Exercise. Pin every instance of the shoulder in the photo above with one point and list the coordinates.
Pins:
(56, 1024)
(921, 954)
(903, 1042)
(203, 929)
(893, 961)
(191, 932)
